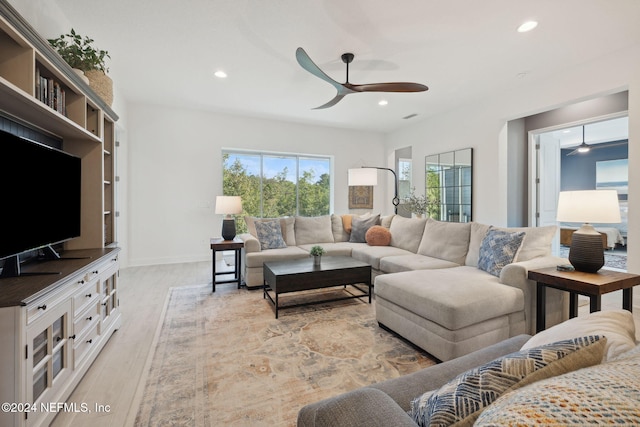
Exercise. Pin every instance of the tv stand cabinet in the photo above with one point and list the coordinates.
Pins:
(52, 328)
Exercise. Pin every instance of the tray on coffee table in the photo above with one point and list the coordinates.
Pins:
(282, 277)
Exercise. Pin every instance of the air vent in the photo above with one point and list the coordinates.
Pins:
(410, 116)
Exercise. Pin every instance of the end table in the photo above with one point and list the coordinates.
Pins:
(593, 285)
(219, 244)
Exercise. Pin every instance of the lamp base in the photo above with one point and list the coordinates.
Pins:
(586, 253)
(228, 229)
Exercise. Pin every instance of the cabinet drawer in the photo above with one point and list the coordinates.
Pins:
(45, 304)
(85, 295)
(86, 318)
(84, 343)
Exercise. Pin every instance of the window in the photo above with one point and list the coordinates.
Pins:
(275, 185)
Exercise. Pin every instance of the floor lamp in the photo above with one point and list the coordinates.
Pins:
(228, 205)
(590, 206)
(368, 175)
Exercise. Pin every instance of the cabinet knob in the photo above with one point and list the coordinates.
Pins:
(88, 295)
(42, 307)
(104, 304)
(58, 339)
(81, 282)
(72, 337)
(89, 341)
(89, 318)
(95, 271)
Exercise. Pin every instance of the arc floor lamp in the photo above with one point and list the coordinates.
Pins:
(368, 175)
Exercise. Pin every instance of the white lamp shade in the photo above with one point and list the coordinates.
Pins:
(228, 205)
(592, 206)
(363, 176)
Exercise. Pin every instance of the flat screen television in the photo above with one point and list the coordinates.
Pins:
(40, 193)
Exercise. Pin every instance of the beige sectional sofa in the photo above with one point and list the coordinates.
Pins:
(427, 284)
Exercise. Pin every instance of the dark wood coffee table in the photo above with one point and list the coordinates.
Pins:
(301, 275)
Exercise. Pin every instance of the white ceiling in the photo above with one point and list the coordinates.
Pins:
(166, 51)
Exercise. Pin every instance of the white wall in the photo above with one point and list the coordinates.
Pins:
(175, 172)
(482, 126)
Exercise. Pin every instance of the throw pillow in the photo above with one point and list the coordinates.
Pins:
(286, 225)
(498, 249)
(360, 226)
(378, 236)
(270, 234)
(346, 222)
(617, 325)
(603, 394)
(464, 398)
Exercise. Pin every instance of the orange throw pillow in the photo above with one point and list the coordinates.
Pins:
(346, 223)
(378, 236)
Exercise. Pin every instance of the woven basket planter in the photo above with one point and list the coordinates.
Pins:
(101, 85)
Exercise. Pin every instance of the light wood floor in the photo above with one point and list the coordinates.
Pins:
(114, 377)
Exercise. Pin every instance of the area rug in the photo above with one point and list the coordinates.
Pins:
(222, 359)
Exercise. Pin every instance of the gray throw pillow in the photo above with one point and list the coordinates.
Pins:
(360, 226)
(270, 234)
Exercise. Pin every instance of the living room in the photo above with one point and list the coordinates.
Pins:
(170, 155)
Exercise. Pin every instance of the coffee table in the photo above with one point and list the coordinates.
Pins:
(282, 277)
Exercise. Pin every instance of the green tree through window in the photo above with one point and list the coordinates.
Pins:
(273, 185)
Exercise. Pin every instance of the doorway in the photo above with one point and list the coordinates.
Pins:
(558, 165)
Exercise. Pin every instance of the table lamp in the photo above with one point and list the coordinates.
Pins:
(228, 205)
(589, 206)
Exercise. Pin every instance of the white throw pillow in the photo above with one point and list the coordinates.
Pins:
(617, 325)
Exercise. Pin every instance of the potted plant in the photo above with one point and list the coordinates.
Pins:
(80, 54)
(417, 203)
(317, 252)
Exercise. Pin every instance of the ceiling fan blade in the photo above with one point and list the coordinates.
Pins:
(306, 63)
(333, 102)
(388, 87)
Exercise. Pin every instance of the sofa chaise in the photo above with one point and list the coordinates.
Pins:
(428, 286)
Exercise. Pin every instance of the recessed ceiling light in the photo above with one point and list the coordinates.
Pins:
(383, 102)
(220, 74)
(527, 26)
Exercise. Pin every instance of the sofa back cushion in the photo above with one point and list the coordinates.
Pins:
(536, 243)
(286, 226)
(445, 240)
(315, 229)
(406, 232)
(340, 234)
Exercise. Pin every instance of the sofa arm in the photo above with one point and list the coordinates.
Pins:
(515, 274)
(251, 244)
(362, 407)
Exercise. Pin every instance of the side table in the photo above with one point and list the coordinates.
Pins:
(593, 285)
(219, 244)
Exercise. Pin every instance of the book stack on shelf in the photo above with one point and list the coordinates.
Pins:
(51, 93)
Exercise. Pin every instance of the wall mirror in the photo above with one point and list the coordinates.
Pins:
(448, 185)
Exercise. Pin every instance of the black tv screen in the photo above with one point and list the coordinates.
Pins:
(40, 194)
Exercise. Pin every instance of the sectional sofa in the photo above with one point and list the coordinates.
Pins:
(431, 282)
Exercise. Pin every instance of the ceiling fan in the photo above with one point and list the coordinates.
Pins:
(585, 148)
(346, 88)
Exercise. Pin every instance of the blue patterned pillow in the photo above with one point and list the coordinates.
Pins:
(498, 249)
(270, 234)
(466, 396)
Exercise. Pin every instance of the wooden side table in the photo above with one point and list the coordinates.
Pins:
(593, 285)
(219, 244)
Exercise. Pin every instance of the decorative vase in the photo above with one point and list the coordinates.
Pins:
(101, 84)
(82, 75)
(316, 260)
